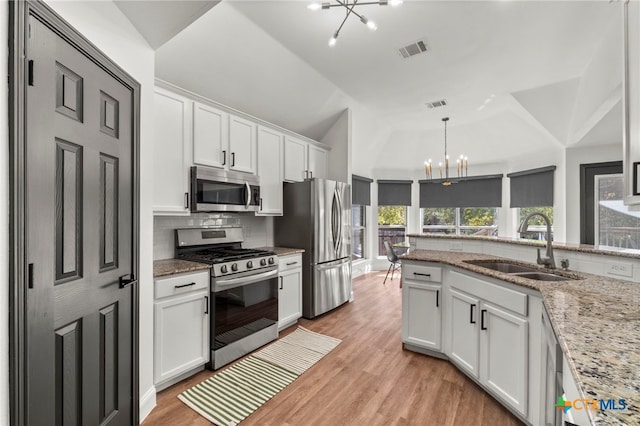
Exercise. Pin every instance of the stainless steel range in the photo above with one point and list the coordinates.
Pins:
(244, 290)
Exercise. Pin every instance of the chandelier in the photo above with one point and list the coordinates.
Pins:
(349, 8)
(462, 163)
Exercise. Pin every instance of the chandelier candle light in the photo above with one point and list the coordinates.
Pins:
(349, 10)
(462, 163)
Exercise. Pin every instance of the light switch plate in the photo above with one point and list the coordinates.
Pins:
(623, 269)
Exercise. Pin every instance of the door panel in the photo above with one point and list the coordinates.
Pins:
(79, 230)
(332, 287)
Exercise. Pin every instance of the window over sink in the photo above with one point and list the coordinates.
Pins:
(481, 221)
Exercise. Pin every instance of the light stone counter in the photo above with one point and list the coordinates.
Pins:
(165, 267)
(597, 321)
(282, 251)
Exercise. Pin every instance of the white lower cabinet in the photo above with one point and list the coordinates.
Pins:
(290, 290)
(504, 350)
(181, 329)
(421, 306)
(464, 332)
(488, 334)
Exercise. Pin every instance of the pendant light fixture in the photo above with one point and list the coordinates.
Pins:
(462, 163)
(349, 8)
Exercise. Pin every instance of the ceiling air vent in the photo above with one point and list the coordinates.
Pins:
(413, 49)
(437, 104)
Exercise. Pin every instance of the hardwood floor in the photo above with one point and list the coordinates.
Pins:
(367, 380)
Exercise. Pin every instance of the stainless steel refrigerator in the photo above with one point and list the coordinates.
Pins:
(317, 218)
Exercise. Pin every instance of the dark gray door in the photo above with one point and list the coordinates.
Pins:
(79, 237)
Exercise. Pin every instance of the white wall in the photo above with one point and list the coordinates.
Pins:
(106, 27)
(338, 138)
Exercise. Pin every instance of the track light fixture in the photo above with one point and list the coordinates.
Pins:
(349, 7)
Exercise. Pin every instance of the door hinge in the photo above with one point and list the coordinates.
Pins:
(30, 72)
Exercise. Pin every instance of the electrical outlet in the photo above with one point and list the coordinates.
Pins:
(623, 269)
(455, 246)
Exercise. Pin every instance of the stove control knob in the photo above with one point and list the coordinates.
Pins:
(263, 262)
(271, 261)
(223, 269)
(249, 264)
(234, 267)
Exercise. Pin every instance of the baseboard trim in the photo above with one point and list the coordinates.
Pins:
(147, 403)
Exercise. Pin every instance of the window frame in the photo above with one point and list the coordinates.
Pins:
(457, 227)
(363, 229)
(381, 252)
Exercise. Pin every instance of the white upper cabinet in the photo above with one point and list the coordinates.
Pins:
(270, 156)
(171, 153)
(317, 162)
(223, 140)
(210, 135)
(242, 145)
(295, 159)
(303, 160)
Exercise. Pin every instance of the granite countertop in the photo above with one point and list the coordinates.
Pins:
(583, 248)
(597, 321)
(165, 267)
(282, 251)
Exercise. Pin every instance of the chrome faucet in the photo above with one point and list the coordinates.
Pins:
(547, 261)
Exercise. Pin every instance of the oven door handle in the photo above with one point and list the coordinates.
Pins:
(236, 282)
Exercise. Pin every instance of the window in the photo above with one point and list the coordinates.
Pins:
(392, 223)
(537, 229)
(460, 221)
(616, 226)
(358, 232)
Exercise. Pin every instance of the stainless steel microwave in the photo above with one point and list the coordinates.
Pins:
(215, 190)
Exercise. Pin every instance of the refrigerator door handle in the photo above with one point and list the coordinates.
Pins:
(334, 223)
(339, 245)
(332, 264)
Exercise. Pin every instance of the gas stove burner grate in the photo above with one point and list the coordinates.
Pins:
(225, 255)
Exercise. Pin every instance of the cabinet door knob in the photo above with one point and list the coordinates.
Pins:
(224, 157)
(206, 305)
(281, 283)
(471, 308)
(186, 200)
(233, 159)
(482, 312)
(437, 298)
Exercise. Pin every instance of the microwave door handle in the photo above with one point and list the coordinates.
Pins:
(247, 194)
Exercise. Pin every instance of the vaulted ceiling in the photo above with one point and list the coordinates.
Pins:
(518, 76)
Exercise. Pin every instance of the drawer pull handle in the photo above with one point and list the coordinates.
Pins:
(422, 275)
(471, 308)
(482, 312)
(184, 285)
(292, 263)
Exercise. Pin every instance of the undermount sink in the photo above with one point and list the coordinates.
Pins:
(506, 267)
(543, 276)
(531, 273)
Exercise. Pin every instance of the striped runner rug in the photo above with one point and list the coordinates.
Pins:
(228, 397)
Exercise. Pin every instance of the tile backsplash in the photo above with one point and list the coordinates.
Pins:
(258, 230)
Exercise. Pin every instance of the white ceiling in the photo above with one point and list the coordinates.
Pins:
(517, 75)
(159, 21)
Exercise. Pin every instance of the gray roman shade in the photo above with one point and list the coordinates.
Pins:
(532, 188)
(476, 191)
(360, 190)
(394, 192)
